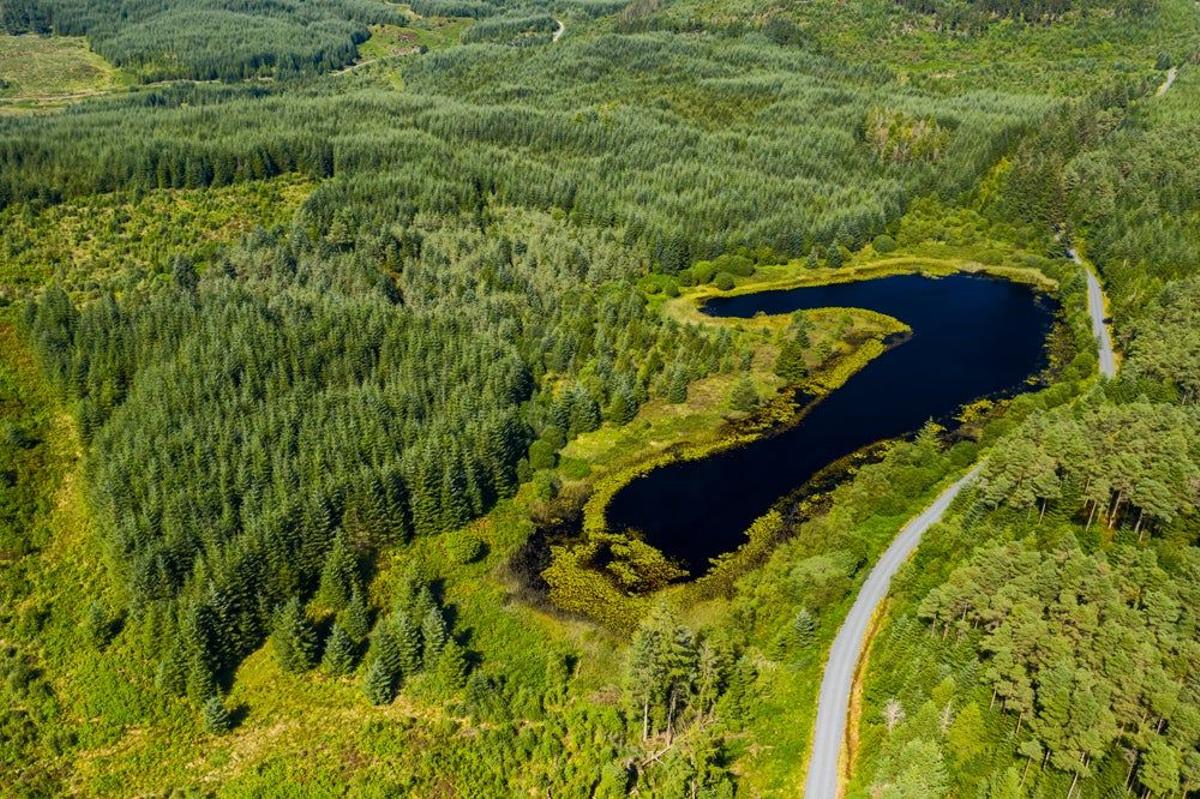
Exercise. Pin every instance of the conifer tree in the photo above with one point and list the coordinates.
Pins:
(433, 634)
(380, 683)
(743, 397)
(98, 626)
(355, 618)
(339, 576)
(622, 408)
(451, 666)
(216, 715)
(340, 652)
(677, 388)
(386, 647)
(833, 256)
(294, 638)
(408, 643)
(172, 671)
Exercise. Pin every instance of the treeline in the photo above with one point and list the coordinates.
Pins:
(1136, 464)
(660, 168)
(511, 29)
(367, 374)
(213, 39)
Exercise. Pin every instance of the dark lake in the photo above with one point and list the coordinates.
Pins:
(973, 337)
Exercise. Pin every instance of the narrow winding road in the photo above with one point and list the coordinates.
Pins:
(559, 31)
(824, 767)
(824, 775)
(1095, 301)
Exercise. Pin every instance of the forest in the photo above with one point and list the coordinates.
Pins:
(317, 369)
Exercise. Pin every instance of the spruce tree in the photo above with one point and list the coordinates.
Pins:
(743, 397)
(355, 619)
(677, 389)
(340, 652)
(451, 666)
(216, 715)
(99, 628)
(172, 671)
(380, 683)
(833, 256)
(622, 408)
(385, 646)
(339, 576)
(408, 641)
(294, 638)
(433, 634)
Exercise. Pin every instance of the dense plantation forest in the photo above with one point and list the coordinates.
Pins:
(328, 331)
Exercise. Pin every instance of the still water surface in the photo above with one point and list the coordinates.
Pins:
(972, 337)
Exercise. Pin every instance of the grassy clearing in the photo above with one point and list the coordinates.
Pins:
(46, 71)
(123, 243)
(432, 33)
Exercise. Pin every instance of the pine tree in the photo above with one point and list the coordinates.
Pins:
(646, 667)
(622, 408)
(200, 651)
(790, 363)
(833, 256)
(98, 626)
(480, 693)
(795, 636)
(803, 628)
(172, 671)
(340, 652)
(585, 412)
(294, 638)
(201, 680)
(386, 647)
(677, 389)
(451, 667)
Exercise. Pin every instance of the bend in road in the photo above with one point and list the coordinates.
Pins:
(559, 31)
(824, 778)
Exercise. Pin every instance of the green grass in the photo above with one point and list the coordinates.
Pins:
(39, 71)
(121, 242)
(434, 33)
